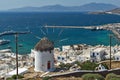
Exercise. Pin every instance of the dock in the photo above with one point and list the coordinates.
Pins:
(83, 27)
(116, 33)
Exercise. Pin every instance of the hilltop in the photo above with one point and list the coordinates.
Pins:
(61, 8)
(114, 11)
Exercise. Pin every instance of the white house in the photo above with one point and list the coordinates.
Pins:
(44, 57)
(83, 58)
(117, 56)
(97, 54)
(64, 58)
(66, 48)
(61, 58)
(101, 68)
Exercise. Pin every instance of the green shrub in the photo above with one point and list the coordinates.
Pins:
(15, 77)
(88, 65)
(9, 79)
(46, 78)
(19, 77)
(68, 65)
(30, 79)
(115, 78)
(78, 63)
(92, 77)
(112, 76)
(65, 66)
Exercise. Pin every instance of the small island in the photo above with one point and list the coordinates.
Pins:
(113, 11)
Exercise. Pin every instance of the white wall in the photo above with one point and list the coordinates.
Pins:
(98, 56)
(117, 58)
(41, 61)
(82, 58)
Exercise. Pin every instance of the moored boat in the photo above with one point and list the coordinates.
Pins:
(3, 42)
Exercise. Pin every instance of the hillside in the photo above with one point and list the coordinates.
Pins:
(60, 8)
(113, 11)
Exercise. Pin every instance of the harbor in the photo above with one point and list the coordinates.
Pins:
(115, 28)
(68, 55)
(98, 27)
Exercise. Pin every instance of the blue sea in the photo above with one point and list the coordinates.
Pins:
(36, 21)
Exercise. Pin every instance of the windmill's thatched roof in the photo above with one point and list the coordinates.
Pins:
(44, 45)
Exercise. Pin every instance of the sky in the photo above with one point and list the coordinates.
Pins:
(10, 4)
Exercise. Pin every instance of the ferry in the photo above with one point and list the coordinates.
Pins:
(11, 32)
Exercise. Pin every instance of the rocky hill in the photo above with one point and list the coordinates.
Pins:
(59, 8)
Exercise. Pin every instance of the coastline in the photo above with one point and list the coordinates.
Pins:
(23, 58)
(104, 29)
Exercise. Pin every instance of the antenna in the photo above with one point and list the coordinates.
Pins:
(46, 29)
(63, 39)
(53, 29)
(43, 32)
(38, 37)
(60, 33)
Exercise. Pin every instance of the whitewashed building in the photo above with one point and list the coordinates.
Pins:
(100, 68)
(61, 58)
(44, 57)
(66, 48)
(97, 54)
(83, 58)
(117, 56)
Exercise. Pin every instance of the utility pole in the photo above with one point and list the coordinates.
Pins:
(16, 33)
(110, 49)
(16, 42)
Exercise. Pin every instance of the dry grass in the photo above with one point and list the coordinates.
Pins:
(67, 78)
(31, 75)
(114, 64)
(57, 78)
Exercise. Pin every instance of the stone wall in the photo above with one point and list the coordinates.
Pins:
(80, 73)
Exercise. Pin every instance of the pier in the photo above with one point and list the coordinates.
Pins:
(100, 27)
(116, 33)
(83, 27)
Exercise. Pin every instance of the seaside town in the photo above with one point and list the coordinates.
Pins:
(59, 39)
(47, 61)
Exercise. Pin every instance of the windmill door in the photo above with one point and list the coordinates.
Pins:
(48, 65)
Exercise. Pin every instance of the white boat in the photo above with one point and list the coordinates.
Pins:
(5, 50)
(3, 42)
